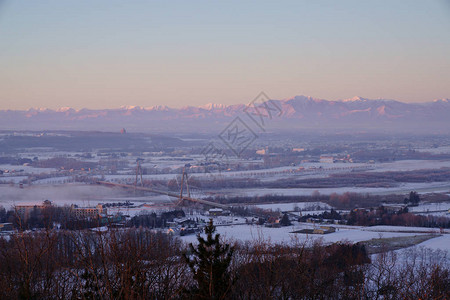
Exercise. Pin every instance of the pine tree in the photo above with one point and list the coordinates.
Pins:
(209, 262)
(285, 220)
(414, 198)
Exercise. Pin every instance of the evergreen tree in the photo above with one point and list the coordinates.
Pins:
(2, 214)
(414, 198)
(209, 262)
(285, 220)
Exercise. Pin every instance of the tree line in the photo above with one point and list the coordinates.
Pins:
(139, 264)
(380, 216)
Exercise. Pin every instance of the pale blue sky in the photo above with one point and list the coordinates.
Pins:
(104, 54)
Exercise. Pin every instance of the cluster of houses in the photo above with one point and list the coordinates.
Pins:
(185, 226)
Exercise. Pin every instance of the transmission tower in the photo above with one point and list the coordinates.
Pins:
(184, 178)
(138, 172)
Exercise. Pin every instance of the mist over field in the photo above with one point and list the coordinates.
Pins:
(85, 195)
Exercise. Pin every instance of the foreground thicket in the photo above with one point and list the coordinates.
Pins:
(140, 264)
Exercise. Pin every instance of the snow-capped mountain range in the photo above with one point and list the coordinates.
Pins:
(296, 113)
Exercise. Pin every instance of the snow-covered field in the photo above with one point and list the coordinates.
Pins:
(430, 207)
(438, 243)
(387, 228)
(421, 187)
(80, 194)
(437, 150)
(343, 233)
(132, 177)
(25, 169)
(12, 179)
(304, 170)
(53, 180)
(410, 165)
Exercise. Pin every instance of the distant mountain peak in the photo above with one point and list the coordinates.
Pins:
(354, 99)
(211, 106)
(158, 108)
(130, 107)
(302, 97)
(444, 100)
(38, 109)
(65, 109)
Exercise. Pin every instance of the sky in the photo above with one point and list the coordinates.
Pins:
(106, 54)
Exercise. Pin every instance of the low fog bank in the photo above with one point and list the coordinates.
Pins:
(60, 194)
